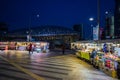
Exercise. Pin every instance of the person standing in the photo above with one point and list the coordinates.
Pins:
(92, 56)
(63, 49)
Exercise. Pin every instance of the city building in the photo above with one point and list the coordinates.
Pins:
(43, 33)
(109, 26)
(117, 19)
(102, 34)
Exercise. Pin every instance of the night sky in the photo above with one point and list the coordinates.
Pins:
(21, 13)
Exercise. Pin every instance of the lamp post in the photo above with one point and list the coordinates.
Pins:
(98, 18)
(91, 20)
(29, 30)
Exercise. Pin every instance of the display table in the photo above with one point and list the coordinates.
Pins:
(108, 67)
(83, 55)
(22, 48)
(104, 64)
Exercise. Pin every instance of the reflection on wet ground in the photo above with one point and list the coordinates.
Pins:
(50, 66)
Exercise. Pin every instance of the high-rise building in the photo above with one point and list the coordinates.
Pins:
(117, 19)
(79, 28)
(109, 26)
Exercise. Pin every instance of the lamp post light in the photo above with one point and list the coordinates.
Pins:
(91, 19)
(38, 15)
(106, 12)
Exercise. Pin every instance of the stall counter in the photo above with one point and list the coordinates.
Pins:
(83, 55)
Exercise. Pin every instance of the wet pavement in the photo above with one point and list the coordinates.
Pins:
(20, 65)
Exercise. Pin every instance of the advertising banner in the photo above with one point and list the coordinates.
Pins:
(95, 33)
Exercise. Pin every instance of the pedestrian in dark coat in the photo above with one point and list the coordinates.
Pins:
(63, 49)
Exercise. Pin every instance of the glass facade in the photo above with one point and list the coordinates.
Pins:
(117, 19)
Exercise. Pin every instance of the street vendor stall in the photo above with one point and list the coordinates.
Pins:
(41, 46)
(3, 45)
(106, 57)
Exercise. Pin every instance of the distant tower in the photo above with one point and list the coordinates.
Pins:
(117, 19)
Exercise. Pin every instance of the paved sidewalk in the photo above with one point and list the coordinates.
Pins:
(49, 66)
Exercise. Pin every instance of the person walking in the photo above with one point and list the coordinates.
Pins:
(30, 48)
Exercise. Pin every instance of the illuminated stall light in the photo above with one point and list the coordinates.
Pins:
(6, 48)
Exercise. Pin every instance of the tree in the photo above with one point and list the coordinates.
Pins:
(3, 27)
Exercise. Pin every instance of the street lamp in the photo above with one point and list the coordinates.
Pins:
(91, 19)
(30, 21)
(106, 12)
(38, 15)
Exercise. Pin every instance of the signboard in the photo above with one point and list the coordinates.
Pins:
(95, 33)
(29, 38)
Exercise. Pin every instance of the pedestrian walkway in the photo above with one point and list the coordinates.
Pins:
(9, 72)
(56, 67)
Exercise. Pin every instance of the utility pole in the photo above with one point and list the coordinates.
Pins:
(98, 18)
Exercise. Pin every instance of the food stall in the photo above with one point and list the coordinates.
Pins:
(84, 49)
(37, 46)
(3, 45)
(107, 58)
(41, 47)
(22, 46)
(11, 45)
